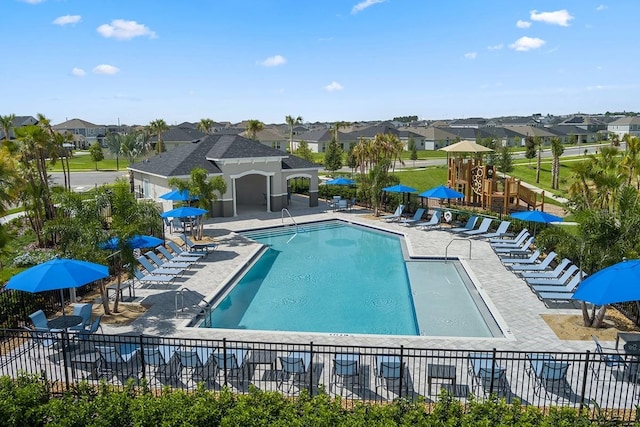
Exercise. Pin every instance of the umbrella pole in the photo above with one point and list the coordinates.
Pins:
(62, 301)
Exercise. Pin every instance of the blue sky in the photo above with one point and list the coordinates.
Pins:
(231, 60)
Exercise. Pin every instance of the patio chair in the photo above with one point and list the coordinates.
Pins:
(152, 269)
(395, 216)
(166, 264)
(609, 361)
(345, 372)
(558, 281)
(122, 361)
(500, 231)
(176, 225)
(388, 372)
(153, 279)
(548, 375)
(483, 228)
(509, 240)
(552, 274)
(516, 249)
(39, 320)
(179, 252)
(231, 361)
(198, 246)
(511, 261)
(197, 361)
(45, 338)
(342, 205)
(567, 288)
(84, 334)
(433, 222)
(176, 258)
(295, 368)
(532, 266)
(417, 217)
(486, 374)
(84, 311)
(470, 225)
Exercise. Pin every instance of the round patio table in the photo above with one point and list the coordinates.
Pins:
(64, 322)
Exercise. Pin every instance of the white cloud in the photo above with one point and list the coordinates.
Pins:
(106, 69)
(364, 4)
(333, 87)
(559, 17)
(601, 8)
(523, 24)
(496, 47)
(273, 61)
(524, 44)
(125, 30)
(32, 1)
(67, 19)
(78, 72)
(471, 55)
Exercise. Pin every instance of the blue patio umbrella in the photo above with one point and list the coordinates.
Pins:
(441, 192)
(536, 216)
(399, 188)
(183, 212)
(178, 195)
(135, 242)
(340, 181)
(58, 273)
(617, 283)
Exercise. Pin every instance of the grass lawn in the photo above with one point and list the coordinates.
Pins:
(84, 163)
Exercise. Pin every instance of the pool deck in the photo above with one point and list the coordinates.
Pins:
(518, 307)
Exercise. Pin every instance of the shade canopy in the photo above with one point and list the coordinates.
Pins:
(617, 283)
(536, 216)
(340, 181)
(135, 242)
(466, 146)
(442, 192)
(178, 195)
(58, 273)
(400, 189)
(183, 212)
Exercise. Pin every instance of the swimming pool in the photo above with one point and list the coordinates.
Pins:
(337, 277)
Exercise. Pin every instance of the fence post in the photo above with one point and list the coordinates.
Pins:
(401, 369)
(224, 359)
(311, 369)
(493, 368)
(66, 362)
(142, 362)
(584, 381)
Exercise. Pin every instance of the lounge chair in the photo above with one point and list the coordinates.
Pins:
(342, 205)
(509, 260)
(395, 216)
(345, 371)
(231, 361)
(179, 252)
(548, 374)
(553, 274)
(483, 228)
(471, 223)
(176, 225)
(295, 367)
(152, 269)
(611, 361)
(198, 246)
(388, 372)
(417, 217)
(567, 288)
(500, 231)
(198, 362)
(486, 373)
(522, 266)
(501, 240)
(176, 258)
(433, 222)
(513, 250)
(153, 279)
(122, 361)
(512, 243)
(555, 297)
(167, 264)
(558, 281)
(161, 362)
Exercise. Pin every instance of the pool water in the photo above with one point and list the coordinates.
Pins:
(339, 278)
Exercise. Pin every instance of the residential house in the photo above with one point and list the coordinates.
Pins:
(85, 133)
(625, 125)
(19, 121)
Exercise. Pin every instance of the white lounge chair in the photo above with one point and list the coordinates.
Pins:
(553, 274)
(512, 243)
(484, 227)
(569, 287)
(501, 240)
(178, 250)
(511, 260)
(558, 281)
(433, 222)
(517, 249)
(500, 231)
(471, 223)
(152, 269)
(417, 217)
(521, 266)
(176, 258)
(166, 264)
(395, 216)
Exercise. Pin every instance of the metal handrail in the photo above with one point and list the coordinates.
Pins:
(453, 240)
(180, 294)
(293, 220)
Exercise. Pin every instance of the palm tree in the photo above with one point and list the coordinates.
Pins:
(9, 180)
(336, 128)
(132, 145)
(114, 143)
(292, 122)
(557, 148)
(6, 123)
(157, 127)
(537, 141)
(253, 127)
(631, 159)
(205, 125)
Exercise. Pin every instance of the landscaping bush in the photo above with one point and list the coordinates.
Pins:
(28, 401)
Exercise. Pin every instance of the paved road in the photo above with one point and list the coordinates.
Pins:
(83, 181)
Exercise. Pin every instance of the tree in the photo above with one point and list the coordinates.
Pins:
(304, 151)
(205, 125)
(9, 180)
(333, 156)
(411, 145)
(530, 147)
(557, 148)
(132, 145)
(253, 127)
(6, 123)
(114, 144)
(538, 144)
(157, 127)
(504, 161)
(95, 151)
(631, 159)
(292, 122)
(336, 128)
(352, 161)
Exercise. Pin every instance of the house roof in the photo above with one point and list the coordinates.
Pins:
(372, 131)
(628, 120)
(181, 134)
(204, 153)
(317, 135)
(76, 124)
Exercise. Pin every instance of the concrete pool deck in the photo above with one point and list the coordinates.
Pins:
(518, 307)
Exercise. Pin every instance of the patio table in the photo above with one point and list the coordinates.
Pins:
(64, 322)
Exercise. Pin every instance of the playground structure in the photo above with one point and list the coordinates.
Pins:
(482, 187)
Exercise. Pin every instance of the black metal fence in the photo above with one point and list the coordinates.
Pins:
(601, 383)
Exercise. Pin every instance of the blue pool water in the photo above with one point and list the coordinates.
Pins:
(340, 278)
